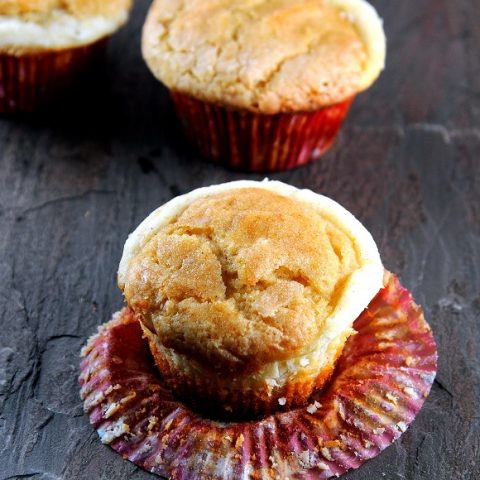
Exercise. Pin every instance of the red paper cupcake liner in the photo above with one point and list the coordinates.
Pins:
(379, 385)
(257, 142)
(32, 81)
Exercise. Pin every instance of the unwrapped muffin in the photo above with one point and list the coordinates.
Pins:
(263, 84)
(247, 292)
(46, 44)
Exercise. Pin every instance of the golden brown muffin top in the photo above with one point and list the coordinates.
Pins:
(36, 26)
(267, 56)
(241, 278)
(77, 8)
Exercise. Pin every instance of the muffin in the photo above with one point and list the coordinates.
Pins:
(46, 44)
(263, 85)
(247, 292)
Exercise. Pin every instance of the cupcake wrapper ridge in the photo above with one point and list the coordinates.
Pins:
(256, 142)
(379, 385)
(30, 82)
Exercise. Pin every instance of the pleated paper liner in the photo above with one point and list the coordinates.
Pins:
(256, 142)
(34, 81)
(379, 385)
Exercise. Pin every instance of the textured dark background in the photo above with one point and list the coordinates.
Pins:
(75, 182)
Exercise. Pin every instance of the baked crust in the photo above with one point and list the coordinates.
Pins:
(29, 27)
(266, 56)
(77, 8)
(245, 277)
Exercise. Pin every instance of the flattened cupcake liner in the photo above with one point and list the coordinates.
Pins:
(256, 142)
(32, 81)
(378, 387)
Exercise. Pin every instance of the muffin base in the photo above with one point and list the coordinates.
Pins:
(379, 385)
(228, 398)
(256, 142)
(32, 81)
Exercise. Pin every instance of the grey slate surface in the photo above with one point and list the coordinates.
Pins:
(75, 182)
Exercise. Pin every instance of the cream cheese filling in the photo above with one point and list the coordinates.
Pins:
(58, 30)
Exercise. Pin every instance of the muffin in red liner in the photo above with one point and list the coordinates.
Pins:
(45, 47)
(379, 385)
(257, 142)
(264, 86)
(32, 81)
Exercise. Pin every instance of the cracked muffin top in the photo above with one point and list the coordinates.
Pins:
(30, 25)
(267, 56)
(245, 274)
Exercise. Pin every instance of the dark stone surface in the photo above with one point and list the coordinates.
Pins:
(74, 183)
